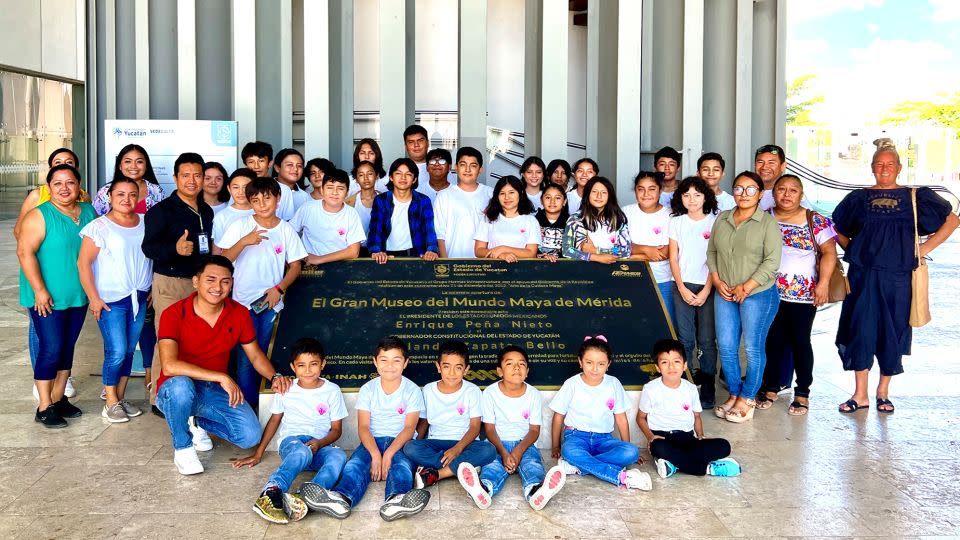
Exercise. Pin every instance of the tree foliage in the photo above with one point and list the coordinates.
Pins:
(944, 111)
(800, 101)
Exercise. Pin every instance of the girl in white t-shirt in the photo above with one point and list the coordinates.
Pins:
(694, 208)
(366, 176)
(116, 276)
(239, 209)
(532, 172)
(648, 221)
(215, 191)
(586, 409)
(669, 418)
(510, 231)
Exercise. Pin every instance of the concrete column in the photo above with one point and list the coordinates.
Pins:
(764, 72)
(274, 65)
(602, 85)
(125, 64)
(667, 73)
(341, 82)
(533, 36)
(214, 81)
(186, 38)
(164, 71)
(553, 79)
(396, 86)
(628, 94)
(693, 24)
(472, 75)
(243, 54)
(141, 24)
(646, 81)
(743, 137)
(316, 77)
(719, 76)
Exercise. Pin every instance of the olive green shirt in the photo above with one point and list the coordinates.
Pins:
(750, 251)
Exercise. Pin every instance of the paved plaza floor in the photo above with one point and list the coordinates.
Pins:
(822, 475)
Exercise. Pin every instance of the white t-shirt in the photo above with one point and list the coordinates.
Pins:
(326, 232)
(424, 187)
(692, 238)
(449, 414)
(223, 220)
(515, 232)
(650, 230)
(457, 215)
(536, 200)
(261, 267)
(400, 238)
(380, 185)
(767, 202)
(590, 408)
(512, 416)
(389, 411)
(725, 201)
(120, 269)
(670, 409)
(573, 201)
(424, 179)
(666, 197)
(364, 213)
(217, 208)
(287, 205)
(308, 411)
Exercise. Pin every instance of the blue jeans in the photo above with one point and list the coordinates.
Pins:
(296, 457)
(33, 341)
(530, 469)
(182, 397)
(752, 319)
(666, 293)
(57, 334)
(247, 377)
(121, 330)
(148, 338)
(356, 474)
(695, 327)
(598, 454)
(428, 452)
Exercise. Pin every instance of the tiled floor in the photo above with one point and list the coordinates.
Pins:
(823, 475)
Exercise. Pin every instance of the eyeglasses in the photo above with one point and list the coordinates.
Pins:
(437, 161)
(749, 191)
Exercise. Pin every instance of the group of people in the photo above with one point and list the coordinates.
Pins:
(201, 275)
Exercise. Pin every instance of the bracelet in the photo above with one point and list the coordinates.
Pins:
(279, 290)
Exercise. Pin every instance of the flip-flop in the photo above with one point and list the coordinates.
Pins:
(764, 402)
(852, 406)
(797, 409)
(885, 403)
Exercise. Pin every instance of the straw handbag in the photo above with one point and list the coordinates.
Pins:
(839, 286)
(920, 301)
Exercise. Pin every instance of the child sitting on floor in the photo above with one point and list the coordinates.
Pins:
(512, 410)
(669, 417)
(308, 418)
(585, 411)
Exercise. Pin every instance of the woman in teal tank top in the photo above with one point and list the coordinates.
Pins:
(48, 247)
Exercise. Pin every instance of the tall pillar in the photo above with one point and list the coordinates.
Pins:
(186, 38)
(317, 77)
(163, 36)
(545, 85)
(602, 85)
(764, 72)
(472, 75)
(532, 62)
(341, 77)
(628, 92)
(693, 26)
(743, 134)
(214, 82)
(141, 29)
(274, 66)
(666, 26)
(397, 86)
(243, 52)
(719, 75)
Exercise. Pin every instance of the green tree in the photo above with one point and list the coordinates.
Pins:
(944, 111)
(800, 101)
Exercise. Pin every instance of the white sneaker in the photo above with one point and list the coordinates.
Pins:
(187, 461)
(552, 484)
(36, 393)
(70, 391)
(634, 479)
(567, 467)
(201, 441)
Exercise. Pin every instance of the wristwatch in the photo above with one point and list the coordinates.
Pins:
(276, 375)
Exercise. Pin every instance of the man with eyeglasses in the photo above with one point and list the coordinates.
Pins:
(416, 142)
(770, 162)
(438, 170)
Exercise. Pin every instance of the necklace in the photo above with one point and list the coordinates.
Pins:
(74, 218)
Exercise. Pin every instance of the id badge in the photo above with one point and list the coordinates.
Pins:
(203, 243)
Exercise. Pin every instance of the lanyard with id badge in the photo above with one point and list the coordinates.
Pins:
(203, 241)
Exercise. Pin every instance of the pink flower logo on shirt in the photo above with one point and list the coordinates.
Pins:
(657, 230)
(322, 409)
(461, 409)
(525, 414)
(706, 235)
(613, 239)
(610, 403)
(341, 231)
(401, 409)
(523, 231)
(686, 406)
(278, 249)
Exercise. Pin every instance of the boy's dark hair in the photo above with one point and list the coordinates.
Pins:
(495, 209)
(581, 161)
(509, 349)
(415, 129)
(191, 158)
(709, 197)
(307, 345)
(667, 152)
(336, 175)
(63, 167)
(149, 175)
(260, 186)
(441, 153)
(667, 346)
(244, 172)
(214, 260)
(771, 149)
(711, 156)
(258, 149)
(469, 151)
(657, 177)
(284, 154)
(390, 342)
(458, 348)
(76, 158)
(595, 342)
(377, 162)
(224, 194)
(411, 166)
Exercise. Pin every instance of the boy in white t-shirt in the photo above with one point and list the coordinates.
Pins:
(267, 255)
(309, 419)
(512, 412)
(458, 210)
(388, 408)
(669, 418)
(237, 185)
(710, 167)
(452, 414)
(331, 229)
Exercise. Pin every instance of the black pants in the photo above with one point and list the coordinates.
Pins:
(687, 453)
(790, 335)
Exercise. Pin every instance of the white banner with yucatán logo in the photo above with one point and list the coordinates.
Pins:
(164, 140)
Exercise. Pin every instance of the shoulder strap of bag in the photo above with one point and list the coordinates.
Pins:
(916, 230)
(813, 237)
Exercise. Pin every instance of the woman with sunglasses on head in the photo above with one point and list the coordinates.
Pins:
(743, 256)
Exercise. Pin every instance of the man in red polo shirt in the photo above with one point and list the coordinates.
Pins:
(194, 392)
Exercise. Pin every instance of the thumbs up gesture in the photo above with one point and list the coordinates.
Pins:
(184, 246)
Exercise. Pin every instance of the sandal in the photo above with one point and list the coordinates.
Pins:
(883, 402)
(738, 417)
(797, 408)
(721, 410)
(764, 402)
(851, 406)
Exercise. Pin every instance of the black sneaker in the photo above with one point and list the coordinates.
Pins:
(425, 477)
(65, 409)
(156, 410)
(50, 418)
(408, 504)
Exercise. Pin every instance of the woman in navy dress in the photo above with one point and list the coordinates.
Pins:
(875, 229)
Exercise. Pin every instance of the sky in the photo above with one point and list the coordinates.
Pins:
(868, 55)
